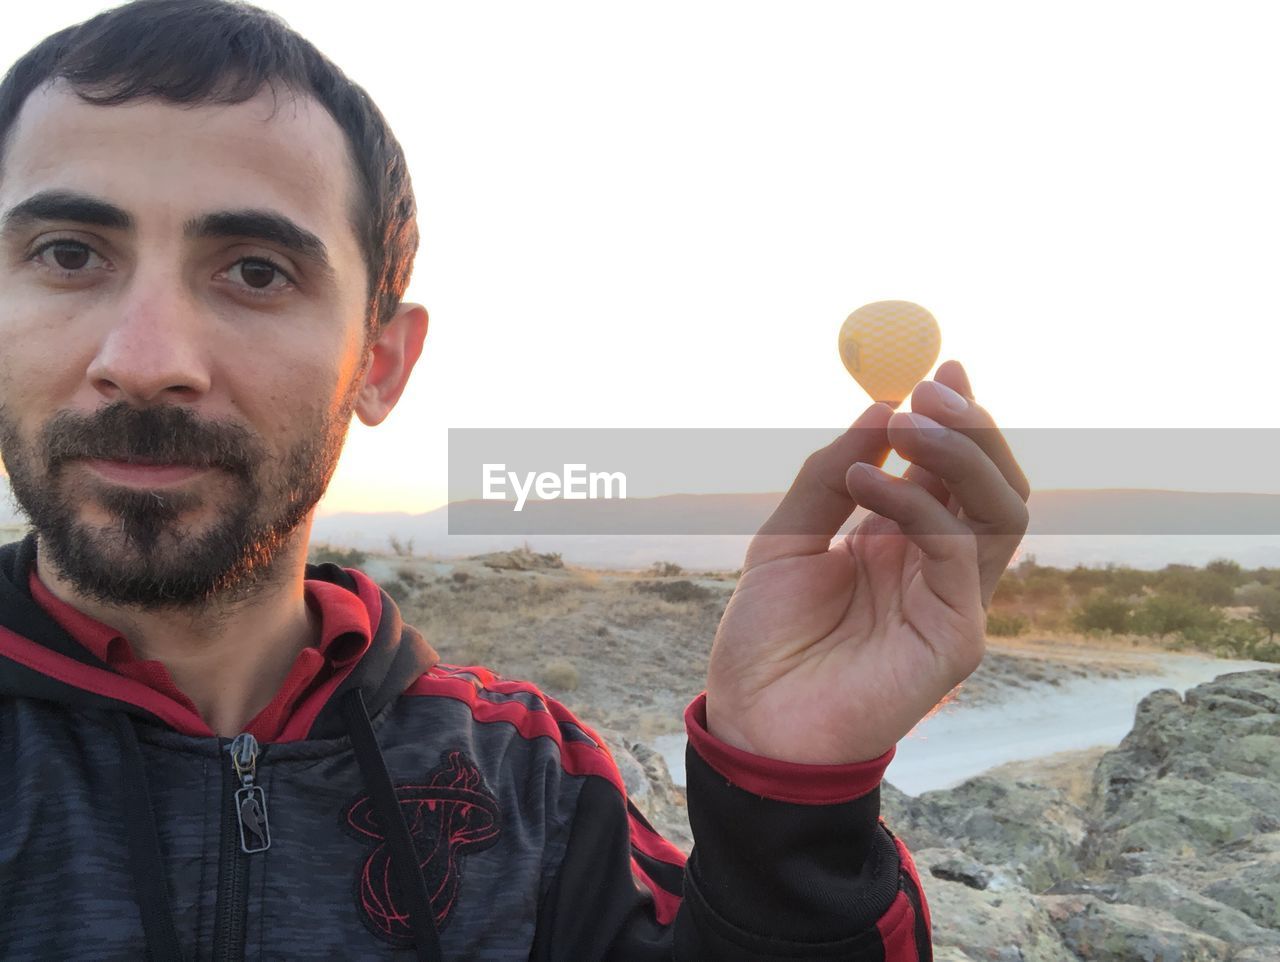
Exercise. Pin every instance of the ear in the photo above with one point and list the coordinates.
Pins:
(392, 357)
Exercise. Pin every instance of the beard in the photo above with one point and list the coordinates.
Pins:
(146, 557)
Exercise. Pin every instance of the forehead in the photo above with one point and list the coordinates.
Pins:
(154, 158)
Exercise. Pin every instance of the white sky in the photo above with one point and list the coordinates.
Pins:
(658, 214)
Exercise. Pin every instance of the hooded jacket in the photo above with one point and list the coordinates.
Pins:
(388, 806)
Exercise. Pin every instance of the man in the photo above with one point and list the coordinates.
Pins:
(216, 750)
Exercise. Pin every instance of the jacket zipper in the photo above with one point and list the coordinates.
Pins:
(245, 831)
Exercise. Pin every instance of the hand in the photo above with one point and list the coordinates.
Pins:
(829, 654)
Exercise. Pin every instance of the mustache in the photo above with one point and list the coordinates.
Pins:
(167, 434)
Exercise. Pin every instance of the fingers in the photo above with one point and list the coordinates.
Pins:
(962, 413)
(933, 484)
(969, 455)
(953, 375)
(947, 545)
(818, 501)
(985, 496)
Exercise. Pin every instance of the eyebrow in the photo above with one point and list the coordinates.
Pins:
(266, 226)
(262, 225)
(68, 206)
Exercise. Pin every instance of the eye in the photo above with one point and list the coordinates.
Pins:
(259, 275)
(67, 256)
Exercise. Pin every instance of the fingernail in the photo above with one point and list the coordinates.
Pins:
(926, 426)
(950, 399)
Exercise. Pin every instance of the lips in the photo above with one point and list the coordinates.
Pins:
(143, 473)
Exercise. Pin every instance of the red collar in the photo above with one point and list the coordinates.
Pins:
(345, 635)
(341, 613)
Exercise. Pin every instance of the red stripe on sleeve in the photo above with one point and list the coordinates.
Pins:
(653, 844)
(897, 929)
(665, 904)
(908, 865)
(578, 758)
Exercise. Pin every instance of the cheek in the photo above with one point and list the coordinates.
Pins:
(284, 394)
(38, 364)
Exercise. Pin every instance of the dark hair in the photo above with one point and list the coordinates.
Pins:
(224, 51)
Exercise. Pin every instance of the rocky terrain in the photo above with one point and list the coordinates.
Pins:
(1169, 852)
(1165, 849)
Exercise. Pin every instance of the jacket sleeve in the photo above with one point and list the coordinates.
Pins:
(789, 862)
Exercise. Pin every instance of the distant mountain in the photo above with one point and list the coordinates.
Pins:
(1146, 529)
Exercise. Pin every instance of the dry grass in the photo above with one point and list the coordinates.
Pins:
(618, 656)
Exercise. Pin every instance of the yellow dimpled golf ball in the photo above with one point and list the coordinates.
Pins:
(889, 347)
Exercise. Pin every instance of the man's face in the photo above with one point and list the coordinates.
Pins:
(178, 285)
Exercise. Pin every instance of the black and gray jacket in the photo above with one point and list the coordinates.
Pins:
(419, 811)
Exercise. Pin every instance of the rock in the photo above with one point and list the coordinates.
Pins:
(634, 776)
(1174, 857)
(1033, 831)
(1178, 816)
(952, 865)
(1248, 954)
(950, 954)
(960, 868)
(1191, 776)
(901, 812)
(1100, 932)
(990, 926)
(1253, 888)
(1197, 911)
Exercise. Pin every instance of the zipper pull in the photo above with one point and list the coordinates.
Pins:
(251, 800)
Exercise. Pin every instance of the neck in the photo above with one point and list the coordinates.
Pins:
(229, 660)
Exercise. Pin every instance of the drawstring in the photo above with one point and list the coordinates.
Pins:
(145, 861)
(147, 864)
(404, 857)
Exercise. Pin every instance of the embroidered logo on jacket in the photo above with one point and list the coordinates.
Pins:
(453, 813)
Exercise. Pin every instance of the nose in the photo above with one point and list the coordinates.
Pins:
(153, 348)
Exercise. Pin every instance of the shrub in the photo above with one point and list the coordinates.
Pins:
(1102, 612)
(1238, 639)
(665, 569)
(1226, 569)
(1083, 580)
(1044, 586)
(560, 676)
(1006, 626)
(1163, 614)
(323, 553)
(1123, 581)
(1205, 586)
(1266, 613)
(398, 590)
(409, 576)
(402, 549)
(1008, 591)
(675, 591)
